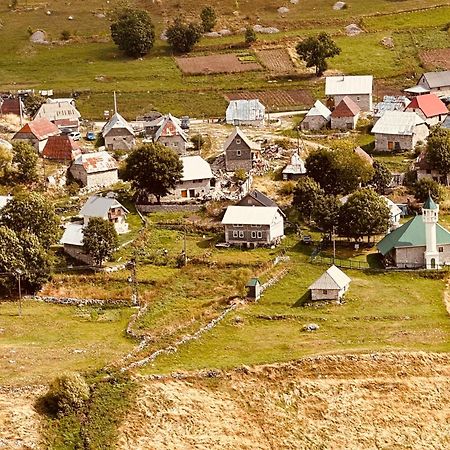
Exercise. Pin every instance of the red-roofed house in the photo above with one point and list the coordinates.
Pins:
(95, 169)
(429, 107)
(11, 106)
(345, 115)
(37, 133)
(61, 148)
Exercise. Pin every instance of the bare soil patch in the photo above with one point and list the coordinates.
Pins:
(436, 58)
(226, 63)
(276, 60)
(274, 99)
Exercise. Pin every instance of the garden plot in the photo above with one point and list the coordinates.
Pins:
(229, 63)
(437, 58)
(276, 99)
(276, 60)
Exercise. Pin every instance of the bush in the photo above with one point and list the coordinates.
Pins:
(182, 37)
(208, 16)
(426, 187)
(67, 393)
(240, 174)
(198, 140)
(65, 35)
(250, 36)
(287, 188)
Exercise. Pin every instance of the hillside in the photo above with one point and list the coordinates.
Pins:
(359, 401)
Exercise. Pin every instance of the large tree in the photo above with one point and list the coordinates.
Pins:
(326, 213)
(32, 103)
(100, 239)
(364, 214)
(6, 158)
(153, 169)
(25, 159)
(315, 50)
(307, 193)
(209, 19)
(381, 178)
(182, 37)
(133, 32)
(32, 213)
(438, 149)
(426, 187)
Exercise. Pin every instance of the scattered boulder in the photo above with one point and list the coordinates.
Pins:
(70, 18)
(311, 327)
(100, 16)
(283, 10)
(224, 32)
(353, 30)
(49, 13)
(265, 30)
(294, 2)
(388, 42)
(163, 36)
(339, 5)
(213, 34)
(39, 37)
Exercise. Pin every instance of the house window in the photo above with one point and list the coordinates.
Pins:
(238, 141)
(238, 153)
(253, 234)
(357, 99)
(390, 145)
(241, 234)
(441, 249)
(191, 193)
(238, 226)
(428, 171)
(235, 234)
(397, 146)
(324, 291)
(184, 193)
(259, 234)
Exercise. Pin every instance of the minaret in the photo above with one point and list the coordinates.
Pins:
(430, 216)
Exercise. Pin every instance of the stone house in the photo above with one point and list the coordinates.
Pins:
(63, 114)
(97, 169)
(170, 134)
(397, 130)
(332, 285)
(240, 151)
(436, 82)
(72, 240)
(346, 114)
(118, 134)
(61, 148)
(424, 170)
(429, 107)
(245, 112)
(316, 118)
(358, 88)
(37, 133)
(196, 181)
(252, 226)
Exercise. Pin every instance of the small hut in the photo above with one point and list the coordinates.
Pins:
(332, 285)
(254, 289)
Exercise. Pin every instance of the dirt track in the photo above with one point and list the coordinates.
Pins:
(368, 401)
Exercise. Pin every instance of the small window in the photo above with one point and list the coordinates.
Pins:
(238, 153)
(324, 291)
(259, 233)
(238, 141)
(428, 171)
(241, 234)
(253, 234)
(357, 99)
(441, 249)
(235, 234)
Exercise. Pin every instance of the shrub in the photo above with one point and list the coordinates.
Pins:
(198, 140)
(250, 36)
(65, 35)
(240, 175)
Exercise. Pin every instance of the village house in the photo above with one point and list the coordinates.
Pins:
(390, 103)
(252, 226)
(240, 151)
(118, 134)
(436, 82)
(72, 241)
(106, 208)
(295, 169)
(346, 114)
(11, 105)
(332, 285)
(62, 114)
(419, 243)
(196, 181)
(429, 107)
(358, 88)
(424, 170)
(170, 134)
(256, 198)
(61, 148)
(245, 112)
(37, 133)
(316, 118)
(397, 130)
(97, 169)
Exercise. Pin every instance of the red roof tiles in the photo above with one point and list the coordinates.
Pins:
(61, 148)
(429, 104)
(346, 108)
(40, 128)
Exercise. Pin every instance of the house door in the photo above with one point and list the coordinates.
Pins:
(390, 145)
(184, 193)
(191, 193)
(433, 263)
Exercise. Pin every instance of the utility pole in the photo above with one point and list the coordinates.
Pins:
(19, 273)
(184, 248)
(134, 283)
(334, 245)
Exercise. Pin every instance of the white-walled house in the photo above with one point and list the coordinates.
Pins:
(97, 169)
(253, 226)
(332, 285)
(359, 88)
(316, 118)
(429, 107)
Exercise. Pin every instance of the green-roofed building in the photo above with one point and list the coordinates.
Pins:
(419, 243)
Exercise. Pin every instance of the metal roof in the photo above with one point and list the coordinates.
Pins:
(411, 234)
(397, 123)
(73, 234)
(57, 111)
(430, 204)
(97, 206)
(429, 104)
(245, 110)
(195, 168)
(348, 85)
(249, 215)
(437, 79)
(319, 109)
(40, 128)
(96, 162)
(417, 90)
(391, 103)
(117, 122)
(239, 133)
(332, 279)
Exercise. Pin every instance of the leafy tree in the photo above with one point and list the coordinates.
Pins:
(326, 213)
(315, 50)
(364, 214)
(250, 36)
(153, 169)
(307, 193)
(198, 140)
(32, 103)
(65, 35)
(209, 19)
(100, 239)
(6, 158)
(23, 252)
(133, 32)
(438, 149)
(381, 178)
(428, 187)
(182, 37)
(32, 213)
(25, 159)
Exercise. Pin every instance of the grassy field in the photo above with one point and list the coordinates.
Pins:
(50, 339)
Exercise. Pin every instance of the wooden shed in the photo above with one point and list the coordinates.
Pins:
(332, 285)
(254, 289)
